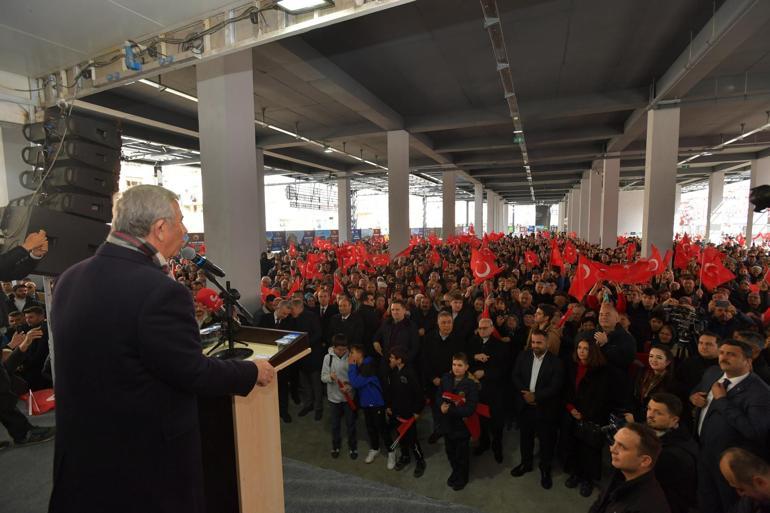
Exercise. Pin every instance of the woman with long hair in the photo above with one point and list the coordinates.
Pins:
(658, 377)
(594, 390)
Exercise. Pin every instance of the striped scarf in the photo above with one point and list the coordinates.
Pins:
(126, 240)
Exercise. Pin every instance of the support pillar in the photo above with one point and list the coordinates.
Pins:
(490, 212)
(344, 210)
(562, 215)
(610, 193)
(230, 170)
(398, 191)
(478, 208)
(593, 230)
(760, 175)
(584, 207)
(543, 216)
(506, 217)
(449, 183)
(716, 189)
(660, 179)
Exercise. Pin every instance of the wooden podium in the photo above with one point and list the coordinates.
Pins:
(241, 436)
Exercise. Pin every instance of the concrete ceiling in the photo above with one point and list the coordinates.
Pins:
(584, 72)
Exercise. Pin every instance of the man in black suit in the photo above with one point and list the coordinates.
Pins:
(490, 366)
(371, 319)
(310, 367)
(463, 318)
(16, 264)
(280, 319)
(732, 411)
(326, 310)
(347, 322)
(129, 354)
(538, 377)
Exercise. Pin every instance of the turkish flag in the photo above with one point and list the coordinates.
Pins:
(419, 282)
(483, 265)
(630, 252)
(294, 287)
(545, 235)
(655, 264)
(565, 317)
(556, 259)
(435, 258)
(292, 250)
(531, 259)
(741, 239)
(39, 401)
(585, 278)
(713, 272)
(380, 260)
(338, 289)
(570, 253)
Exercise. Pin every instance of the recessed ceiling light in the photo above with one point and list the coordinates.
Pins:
(300, 6)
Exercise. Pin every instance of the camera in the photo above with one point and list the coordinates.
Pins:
(616, 422)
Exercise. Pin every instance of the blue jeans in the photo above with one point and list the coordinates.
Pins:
(339, 410)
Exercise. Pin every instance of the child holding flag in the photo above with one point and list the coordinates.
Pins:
(334, 372)
(403, 396)
(458, 396)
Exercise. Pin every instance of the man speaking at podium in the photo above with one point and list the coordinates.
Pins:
(129, 365)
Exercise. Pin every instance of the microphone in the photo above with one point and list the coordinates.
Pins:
(189, 253)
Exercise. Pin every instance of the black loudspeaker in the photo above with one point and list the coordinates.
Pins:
(54, 128)
(97, 208)
(70, 238)
(72, 152)
(66, 178)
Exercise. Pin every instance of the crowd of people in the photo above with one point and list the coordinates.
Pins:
(670, 375)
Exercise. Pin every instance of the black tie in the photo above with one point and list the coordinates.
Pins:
(726, 383)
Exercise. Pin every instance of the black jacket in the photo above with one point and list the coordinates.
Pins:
(139, 366)
(32, 370)
(403, 393)
(739, 419)
(398, 334)
(452, 423)
(549, 385)
(331, 310)
(308, 322)
(496, 369)
(464, 324)
(372, 321)
(28, 302)
(425, 320)
(601, 392)
(16, 264)
(352, 328)
(436, 355)
(620, 349)
(677, 469)
(690, 371)
(640, 495)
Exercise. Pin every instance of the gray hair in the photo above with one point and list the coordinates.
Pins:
(136, 209)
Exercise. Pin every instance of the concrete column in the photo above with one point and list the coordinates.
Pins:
(398, 190)
(716, 188)
(478, 208)
(229, 170)
(343, 209)
(593, 233)
(570, 207)
(449, 184)
(491, 222)
(260, 224)
(543, 216)
(585, 206)
(610, 192)
(660, 179)
(562, 214)
(506, 217)
(760, 175)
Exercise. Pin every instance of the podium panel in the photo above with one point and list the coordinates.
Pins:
(241, 436)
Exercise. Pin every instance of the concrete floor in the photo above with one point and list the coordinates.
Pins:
(491, 488)
(25, 473)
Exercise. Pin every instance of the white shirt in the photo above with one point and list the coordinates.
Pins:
(537, 362)
(733, 381)
(323, 309)
(20, 303)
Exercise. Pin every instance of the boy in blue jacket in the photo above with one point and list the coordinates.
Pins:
(362, 376)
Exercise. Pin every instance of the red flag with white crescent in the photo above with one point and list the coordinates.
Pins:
(483, 265)
(585, 278)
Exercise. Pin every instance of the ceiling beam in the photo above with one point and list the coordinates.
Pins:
(731, 25)
(583, 105)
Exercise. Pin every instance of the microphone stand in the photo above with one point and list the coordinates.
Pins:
(230, 297)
